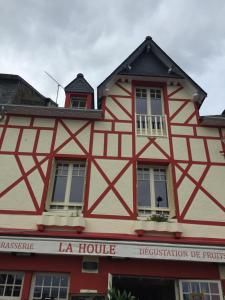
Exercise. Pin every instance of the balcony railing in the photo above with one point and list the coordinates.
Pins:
(151, 125)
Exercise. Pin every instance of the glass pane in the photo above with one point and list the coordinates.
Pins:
(10, 279)
(64, 280)
(55, 280)
(143, 193)
(77, 189)
(19, 278)
(186, 296)
(161, 199)
(8, 291)
(47, 280)
(214, 289)
(141, 106)
(3, 278)
(204, 287)
(195, 287)
(59, 189)
(1, 290)
(156, 107)
(39, 280)
(46, 292)
(54, 292)
(62, 169)
(16, 291)
(37, 292)
(185, 287)
(206, 297)
(63, 293)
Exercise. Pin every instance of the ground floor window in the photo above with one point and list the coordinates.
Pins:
(11, 285)
(50, 286)
(200, 290)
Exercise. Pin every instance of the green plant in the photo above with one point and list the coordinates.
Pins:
(115, 294)
(159, 218)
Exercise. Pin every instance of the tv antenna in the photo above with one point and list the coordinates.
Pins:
(58, 85)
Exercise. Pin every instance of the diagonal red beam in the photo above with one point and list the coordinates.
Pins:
(73, 137)
(178, 111)
(25, 178)
(176, 91)
(123, 88)
(193, 194)
(151, 141)
(50, 155)
(121, 106)
(111, 114)
(111, 186)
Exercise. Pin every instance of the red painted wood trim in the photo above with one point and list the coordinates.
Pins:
(123, 88)
(26, 285)
(174, 92)
(122, 107)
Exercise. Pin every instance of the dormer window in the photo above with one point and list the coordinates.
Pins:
(79, 102)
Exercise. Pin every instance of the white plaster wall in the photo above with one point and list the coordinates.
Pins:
(19, 121)
(27, 140)
(98, 144)
(183, 115)
(44, 141)
(197, 150)
(126, 145)
(207, 131)
(116, 90)
(125, 127)
(180, 148)
(101, 125)
(116, 110)
(44, 122)
(182, 130)
(10, 139)
(215, 147)
(112, 145)
(184, 192)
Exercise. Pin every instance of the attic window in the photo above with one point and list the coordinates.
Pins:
(79, 102)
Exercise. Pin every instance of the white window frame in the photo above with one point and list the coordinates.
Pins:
(201, 294)
(51, 286)
(153, 209)
(13, 285)
(66, 205)
(148, 121)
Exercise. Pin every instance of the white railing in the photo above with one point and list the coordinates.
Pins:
(151, 125)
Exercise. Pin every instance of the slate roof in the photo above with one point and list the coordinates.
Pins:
(11, 83)
(149, 60)
(213, 120)
(79, 85)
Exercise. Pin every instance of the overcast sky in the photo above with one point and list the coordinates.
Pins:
(66, 37)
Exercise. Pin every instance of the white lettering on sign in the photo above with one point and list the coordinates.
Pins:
(116, 248)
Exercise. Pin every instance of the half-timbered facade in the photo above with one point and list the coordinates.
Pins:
(131, 194)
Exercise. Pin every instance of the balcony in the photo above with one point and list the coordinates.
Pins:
(151, 125)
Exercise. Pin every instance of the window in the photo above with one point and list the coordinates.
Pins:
(78, 102)
(11, 285)
(149, 112)
(200, 290)
(152, 196)
(50, 286)
(69, 185)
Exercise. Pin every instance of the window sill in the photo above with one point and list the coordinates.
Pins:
(61, 220)
(143, 226)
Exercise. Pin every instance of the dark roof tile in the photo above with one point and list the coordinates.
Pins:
(79, 85)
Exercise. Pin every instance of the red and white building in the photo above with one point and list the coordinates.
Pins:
(82, 190)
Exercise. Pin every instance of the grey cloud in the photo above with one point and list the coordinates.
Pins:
(93, 37)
